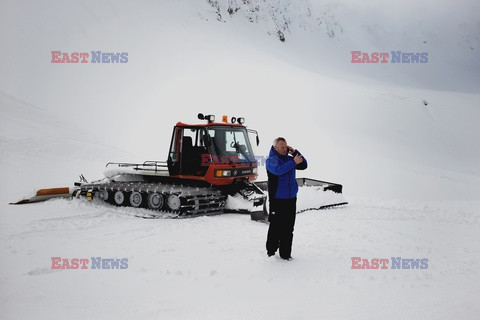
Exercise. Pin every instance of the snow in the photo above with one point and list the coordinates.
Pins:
(216, 267)
(237, 202)
(410, 172)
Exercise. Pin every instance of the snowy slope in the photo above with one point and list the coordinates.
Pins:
(186, 59)
(410, 172)
(39, 150)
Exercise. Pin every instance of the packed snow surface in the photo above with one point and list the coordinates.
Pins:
(216, 267)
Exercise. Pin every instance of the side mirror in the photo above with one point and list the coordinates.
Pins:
(256, 135)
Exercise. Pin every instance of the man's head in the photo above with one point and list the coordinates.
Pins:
(280, 145)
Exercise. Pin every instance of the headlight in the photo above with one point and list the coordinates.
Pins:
(255, 170)
(222, 173)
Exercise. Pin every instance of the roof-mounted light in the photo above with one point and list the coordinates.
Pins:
(241, 120)
(208, 117)
(233, 120)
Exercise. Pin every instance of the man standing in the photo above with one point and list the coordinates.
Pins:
(282, 162)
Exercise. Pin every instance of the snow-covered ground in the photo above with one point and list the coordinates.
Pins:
(410, 171)
(216, 267)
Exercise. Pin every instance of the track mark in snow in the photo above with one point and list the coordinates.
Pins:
(41, 271)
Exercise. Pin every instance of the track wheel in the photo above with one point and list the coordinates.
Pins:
(174, 202)
(155, 201)
(103, 194)
(136, 199)
(119, 198)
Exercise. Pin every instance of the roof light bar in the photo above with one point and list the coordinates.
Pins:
(208, 117)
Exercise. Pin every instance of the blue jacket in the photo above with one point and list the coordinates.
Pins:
(282, 183)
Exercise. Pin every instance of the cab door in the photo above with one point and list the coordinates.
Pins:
(188, 152)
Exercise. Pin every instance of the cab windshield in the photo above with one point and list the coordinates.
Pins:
(230, 144)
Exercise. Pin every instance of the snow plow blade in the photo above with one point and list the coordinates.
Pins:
(46, 194)
(313, 194)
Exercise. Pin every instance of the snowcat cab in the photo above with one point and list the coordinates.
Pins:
(218, 153)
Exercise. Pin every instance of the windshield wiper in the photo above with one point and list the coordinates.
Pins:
(242, 152)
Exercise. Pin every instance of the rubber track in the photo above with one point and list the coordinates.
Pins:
(194, 200)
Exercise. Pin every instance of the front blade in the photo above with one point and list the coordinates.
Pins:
(314, 194)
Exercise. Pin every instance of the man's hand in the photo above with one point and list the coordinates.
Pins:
(291, 150)
(298, 159)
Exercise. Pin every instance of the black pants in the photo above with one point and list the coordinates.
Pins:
(280, 232)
